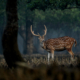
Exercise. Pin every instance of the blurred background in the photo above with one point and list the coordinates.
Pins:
(58, 22)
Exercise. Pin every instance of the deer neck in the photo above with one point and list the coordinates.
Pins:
(42, 44)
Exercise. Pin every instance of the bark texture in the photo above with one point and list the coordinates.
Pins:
(9, 39)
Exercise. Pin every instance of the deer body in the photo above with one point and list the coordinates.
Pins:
(56, 44)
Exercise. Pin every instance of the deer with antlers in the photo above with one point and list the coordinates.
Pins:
(56, 44)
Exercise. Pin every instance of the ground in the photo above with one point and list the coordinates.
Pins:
(37, 68)
(35, 60)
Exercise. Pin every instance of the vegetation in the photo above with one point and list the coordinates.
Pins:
(56, 4)
(37, 68)
(19, 71)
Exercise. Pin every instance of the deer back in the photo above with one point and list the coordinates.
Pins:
(60, 43)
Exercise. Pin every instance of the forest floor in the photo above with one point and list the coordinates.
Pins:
(38, 68)
(36, 60)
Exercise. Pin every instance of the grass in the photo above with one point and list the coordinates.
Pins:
(37, 59)
(61, 69)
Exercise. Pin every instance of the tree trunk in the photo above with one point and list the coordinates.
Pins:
(28, 44)
(9, 39)
(1, 32)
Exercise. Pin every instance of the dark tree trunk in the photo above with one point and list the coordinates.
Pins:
(28, 44)
(1, 32)
(9, 39)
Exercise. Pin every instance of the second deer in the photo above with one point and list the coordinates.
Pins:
(56, 44)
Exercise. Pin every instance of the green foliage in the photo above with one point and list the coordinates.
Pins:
(2, 12)
(68, 19)
(65, 19)
(52, 4)
(37, 4)
(21, 12)
(40, 15)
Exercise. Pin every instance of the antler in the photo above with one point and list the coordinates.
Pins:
(33, 32)
(45, 31)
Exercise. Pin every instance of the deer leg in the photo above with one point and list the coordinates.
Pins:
(71, 53)
(48, 57)
(52, 55)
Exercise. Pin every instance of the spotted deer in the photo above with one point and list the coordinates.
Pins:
(55, 44)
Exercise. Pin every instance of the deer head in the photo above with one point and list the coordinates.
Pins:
(41, 38)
